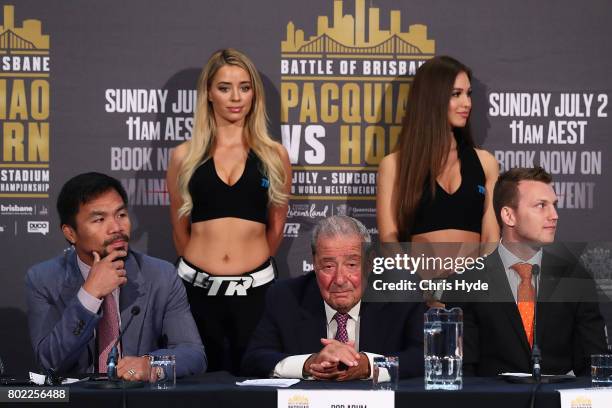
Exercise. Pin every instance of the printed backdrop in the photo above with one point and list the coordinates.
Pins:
(110, 87)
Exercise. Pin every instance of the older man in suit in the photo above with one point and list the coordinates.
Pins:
(499, 324)
(316, 326)
(79, 300)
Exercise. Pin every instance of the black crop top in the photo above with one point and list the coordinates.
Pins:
(461, 210)
(246, 199)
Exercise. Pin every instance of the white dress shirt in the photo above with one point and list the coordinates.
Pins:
(89, 301)
(508, 259)
(292, 366)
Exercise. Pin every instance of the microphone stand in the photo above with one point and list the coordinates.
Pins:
(536, 355)
(111, 361)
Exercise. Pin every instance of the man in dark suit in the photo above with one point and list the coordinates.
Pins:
(499, 323)
(315, 326)
(78, 300)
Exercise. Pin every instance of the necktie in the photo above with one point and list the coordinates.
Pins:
(341, 333)
(108, 330)
(526, 298)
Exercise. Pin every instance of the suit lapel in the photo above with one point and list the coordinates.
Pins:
(499, 280)
(73, 279)
(550, 273)
(370, 326)
(72, 283)
(134, 293)
(313, 324)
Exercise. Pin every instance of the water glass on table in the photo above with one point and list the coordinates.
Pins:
(601, 369)
(443, 338)
(163, 372)
(385, 373)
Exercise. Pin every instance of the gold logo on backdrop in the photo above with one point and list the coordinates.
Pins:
(27, 37)
(24, 107)
(359, 34)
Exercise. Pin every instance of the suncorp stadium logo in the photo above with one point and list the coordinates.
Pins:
(343, 95)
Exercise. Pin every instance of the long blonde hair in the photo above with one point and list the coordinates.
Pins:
(257, 137)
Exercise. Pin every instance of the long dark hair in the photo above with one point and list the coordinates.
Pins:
(424, 143)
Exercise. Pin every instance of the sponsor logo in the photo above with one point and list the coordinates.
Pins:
(13, 209)
(38, 227)
(2, 228)
(236, 285)
(598, 261)
(292, 229)
(307, 266)
(342, 209)
(43, 210)
(307, 211)
(357, 212)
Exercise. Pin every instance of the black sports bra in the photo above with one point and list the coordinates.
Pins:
(246, 199)
(462, 210)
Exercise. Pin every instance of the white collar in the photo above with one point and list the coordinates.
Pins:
(331, 312)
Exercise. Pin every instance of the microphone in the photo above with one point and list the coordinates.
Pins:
(536, 355)
(111, 361)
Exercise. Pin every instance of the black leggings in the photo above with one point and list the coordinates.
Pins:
(226, 323)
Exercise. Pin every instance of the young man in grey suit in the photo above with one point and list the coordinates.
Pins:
(78, 301)
(499, 324)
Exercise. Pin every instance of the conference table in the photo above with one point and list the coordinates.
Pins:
(220, 390)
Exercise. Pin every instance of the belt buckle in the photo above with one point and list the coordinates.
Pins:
(206, 282)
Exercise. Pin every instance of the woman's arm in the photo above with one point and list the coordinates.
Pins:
(181, 227)
(490, 227)
(386, 218)
(277, 214)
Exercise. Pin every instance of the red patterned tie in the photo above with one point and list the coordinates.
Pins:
(108, 330)
(526, 298)
(341, 333)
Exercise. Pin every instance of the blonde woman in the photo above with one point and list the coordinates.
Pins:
(228, 187)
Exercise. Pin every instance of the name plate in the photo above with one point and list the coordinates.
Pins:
(335, 399)
(586, 398)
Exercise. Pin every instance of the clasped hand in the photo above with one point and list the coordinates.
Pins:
(337, 361)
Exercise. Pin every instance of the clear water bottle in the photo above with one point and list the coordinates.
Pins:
(443, 332)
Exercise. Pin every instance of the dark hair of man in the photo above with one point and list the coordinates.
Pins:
(80, 190)
(505, 193)
(424, 144)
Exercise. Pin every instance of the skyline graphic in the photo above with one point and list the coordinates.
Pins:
(27, 37)
(347, 34)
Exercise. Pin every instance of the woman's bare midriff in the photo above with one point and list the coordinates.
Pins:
(447, 235)
(227, 246)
